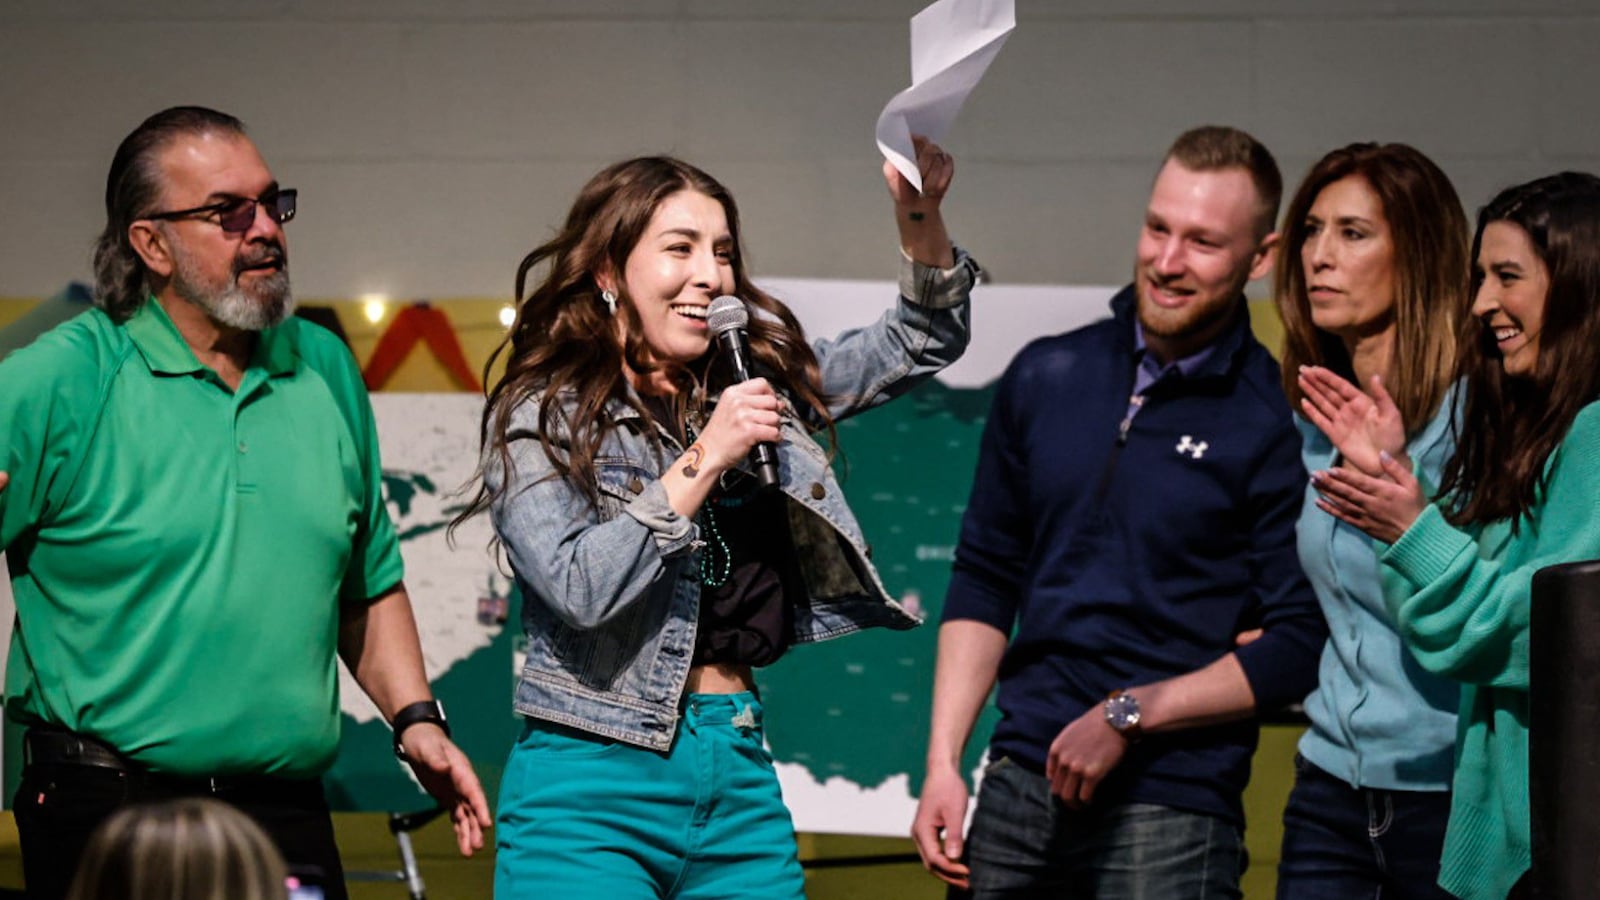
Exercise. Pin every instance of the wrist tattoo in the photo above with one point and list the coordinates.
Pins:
(692, 458)
(916, 216)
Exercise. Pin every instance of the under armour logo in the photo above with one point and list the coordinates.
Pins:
(1188, 445)
(745, 720)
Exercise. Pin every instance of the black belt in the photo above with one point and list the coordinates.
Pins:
(49, 746)
(58, 747)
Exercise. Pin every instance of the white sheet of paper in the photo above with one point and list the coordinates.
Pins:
(952, 44)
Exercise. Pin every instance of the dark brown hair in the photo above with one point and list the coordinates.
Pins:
(561, 354)
(1212, 148)
(1428, 231)
(1510, 426)
(132, 188)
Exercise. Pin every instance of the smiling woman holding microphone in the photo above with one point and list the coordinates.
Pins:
(655, 569)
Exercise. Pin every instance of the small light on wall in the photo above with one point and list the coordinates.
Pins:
(374, 307)
(508, 315)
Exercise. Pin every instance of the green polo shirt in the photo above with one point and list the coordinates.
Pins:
(179, 551)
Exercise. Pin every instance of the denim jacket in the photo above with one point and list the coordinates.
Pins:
(611, 595)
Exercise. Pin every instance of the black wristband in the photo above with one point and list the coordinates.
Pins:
(421, 711)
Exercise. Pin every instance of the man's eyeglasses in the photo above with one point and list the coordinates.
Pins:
(237, 214)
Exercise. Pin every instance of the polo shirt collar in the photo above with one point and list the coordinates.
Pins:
(166, 352)
(274, 350)
(158, 341)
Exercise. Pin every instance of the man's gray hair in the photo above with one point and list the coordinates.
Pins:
(132, 188)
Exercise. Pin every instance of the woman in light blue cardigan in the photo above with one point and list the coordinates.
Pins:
(1372, 285)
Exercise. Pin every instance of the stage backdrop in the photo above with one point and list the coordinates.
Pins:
(848, 718)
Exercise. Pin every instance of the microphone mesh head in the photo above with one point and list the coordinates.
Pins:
(727, 313)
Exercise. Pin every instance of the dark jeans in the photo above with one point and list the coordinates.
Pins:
(1347, 843)
(1025, 844)
(58, 807)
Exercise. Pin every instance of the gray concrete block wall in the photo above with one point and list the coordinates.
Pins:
(436, 142)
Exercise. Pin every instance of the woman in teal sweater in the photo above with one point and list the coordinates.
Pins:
(1518, 495)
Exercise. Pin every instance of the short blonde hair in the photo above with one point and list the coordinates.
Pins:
(189, 849)
(1216, 148)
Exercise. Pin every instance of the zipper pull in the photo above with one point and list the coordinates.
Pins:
(1134, 403)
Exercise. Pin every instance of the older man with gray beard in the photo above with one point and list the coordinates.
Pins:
(195, 528)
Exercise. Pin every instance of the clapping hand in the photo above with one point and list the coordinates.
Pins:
(1360, 425)
(1382, 507)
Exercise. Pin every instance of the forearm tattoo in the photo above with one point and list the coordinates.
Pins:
(692, 458)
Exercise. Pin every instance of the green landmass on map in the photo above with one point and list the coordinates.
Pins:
(857, 707)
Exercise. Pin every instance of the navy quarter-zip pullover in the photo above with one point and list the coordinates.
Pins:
(1121, 551)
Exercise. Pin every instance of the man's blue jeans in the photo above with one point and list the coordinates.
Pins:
(1025, 844)
(1347, 843)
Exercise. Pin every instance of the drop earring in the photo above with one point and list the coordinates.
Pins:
(610, 300)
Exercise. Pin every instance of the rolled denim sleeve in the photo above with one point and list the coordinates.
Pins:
(936, 288)
(926, 330)
(674, 534)
(586, 567)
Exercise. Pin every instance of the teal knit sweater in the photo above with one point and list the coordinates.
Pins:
(1461, 598)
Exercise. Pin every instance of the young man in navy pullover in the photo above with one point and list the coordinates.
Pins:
(1133, 512)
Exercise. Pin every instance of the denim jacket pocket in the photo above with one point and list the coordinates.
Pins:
(620, 480)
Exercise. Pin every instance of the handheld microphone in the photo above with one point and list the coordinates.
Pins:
(727, 318)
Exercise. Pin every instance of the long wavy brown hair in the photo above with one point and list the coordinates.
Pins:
(562, 354)
(1510, 426)
(1428, 230)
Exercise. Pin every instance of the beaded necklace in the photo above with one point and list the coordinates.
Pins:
(716, 560)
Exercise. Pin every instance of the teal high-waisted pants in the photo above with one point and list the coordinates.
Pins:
(586, 817)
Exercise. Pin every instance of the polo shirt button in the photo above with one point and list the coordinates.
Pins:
(818, 491)
(244, 447)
